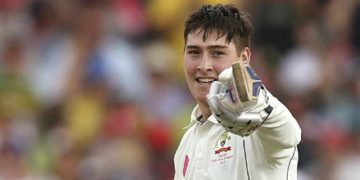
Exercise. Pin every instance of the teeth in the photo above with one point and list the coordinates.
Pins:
(205, 80)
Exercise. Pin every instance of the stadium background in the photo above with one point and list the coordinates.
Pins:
(94, 89)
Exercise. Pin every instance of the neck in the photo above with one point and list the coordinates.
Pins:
(205, 111)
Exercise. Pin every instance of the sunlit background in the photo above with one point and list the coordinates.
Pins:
(94, 89)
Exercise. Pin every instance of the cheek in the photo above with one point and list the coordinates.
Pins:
(220, 66)
(189, 67)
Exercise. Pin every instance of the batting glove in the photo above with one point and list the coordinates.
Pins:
(239, 100)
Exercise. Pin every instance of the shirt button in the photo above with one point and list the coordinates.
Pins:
(198, 150)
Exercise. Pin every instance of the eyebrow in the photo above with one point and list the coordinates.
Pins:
(208, 47)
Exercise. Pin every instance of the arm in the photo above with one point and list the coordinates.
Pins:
(278, 136)
(280, 128)
(242, 105)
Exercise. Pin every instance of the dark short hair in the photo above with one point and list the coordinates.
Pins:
(226, 20)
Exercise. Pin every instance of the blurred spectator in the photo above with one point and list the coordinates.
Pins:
(93, 89)
(49, 53)
(274, 21)
(355, 28)
(164, 96)
(16, 97)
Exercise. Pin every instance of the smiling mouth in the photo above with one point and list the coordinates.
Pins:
(205, 80)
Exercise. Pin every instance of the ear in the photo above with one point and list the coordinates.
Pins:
(245, 55)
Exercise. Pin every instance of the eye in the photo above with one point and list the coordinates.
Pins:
(217, 53)
(193, 52)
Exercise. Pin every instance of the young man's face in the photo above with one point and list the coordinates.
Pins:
(205, 60)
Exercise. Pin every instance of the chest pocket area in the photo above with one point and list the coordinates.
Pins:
(222, 151)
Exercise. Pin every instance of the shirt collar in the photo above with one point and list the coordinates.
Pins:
(196, 114)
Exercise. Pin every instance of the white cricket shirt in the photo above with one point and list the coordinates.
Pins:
(207, 151)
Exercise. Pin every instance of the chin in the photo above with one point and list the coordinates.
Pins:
(201, 98)
(199, 93)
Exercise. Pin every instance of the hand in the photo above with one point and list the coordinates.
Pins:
(238, 100)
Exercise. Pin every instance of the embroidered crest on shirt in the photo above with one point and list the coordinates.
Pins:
(222, 141)
(222, 149)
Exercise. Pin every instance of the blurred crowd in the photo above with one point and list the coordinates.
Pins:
(94, 89)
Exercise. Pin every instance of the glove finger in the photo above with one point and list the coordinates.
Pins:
(213, 98)
(215, 88)
(248, 129)
(213, 102)
(249, 118)
(226, 115)
(226, 75)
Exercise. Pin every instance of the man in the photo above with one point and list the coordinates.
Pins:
(229, 137)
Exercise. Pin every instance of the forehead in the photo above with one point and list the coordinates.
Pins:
(213, 38)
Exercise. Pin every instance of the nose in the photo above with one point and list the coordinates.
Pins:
(205, 64)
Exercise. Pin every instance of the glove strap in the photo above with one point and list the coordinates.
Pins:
(265, 113)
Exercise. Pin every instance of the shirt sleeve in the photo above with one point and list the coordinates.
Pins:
(279, 133)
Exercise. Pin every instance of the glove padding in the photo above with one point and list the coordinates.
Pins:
(237, 101)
